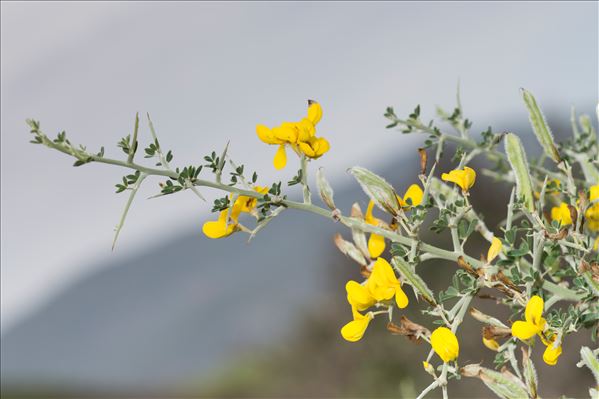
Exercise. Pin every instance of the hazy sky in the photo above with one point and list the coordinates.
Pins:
(208, 72)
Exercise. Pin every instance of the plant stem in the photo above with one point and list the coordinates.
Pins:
(352, 223)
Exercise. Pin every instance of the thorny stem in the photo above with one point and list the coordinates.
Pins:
(434, 252)
(134, 190)
(469, 144)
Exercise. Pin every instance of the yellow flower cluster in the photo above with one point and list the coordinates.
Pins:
(534, 324)
(300, 136)
(382, 286)
(376, 243)
(222, 227)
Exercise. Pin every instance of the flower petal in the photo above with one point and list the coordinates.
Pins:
(561, 214)
(534, 310)
(551, 354)
(491, 344)
(376, 245)
(219, 228)
(401, 299)
(469, 177)
(358, 296)
(414, 194)
(355, 329)
(266, 135)
(524, 330)
(314, 112)
(280, 159)
(445, 344)
(494, 249)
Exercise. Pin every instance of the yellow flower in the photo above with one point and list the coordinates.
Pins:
(494, 249)
(384, 285)
(314, 147)
(428, 368)
(561, 214)
(491, 344)
(359, 296)
(314, 112)
(596, 244)
(445, 344)
(222, 227)
(412, 197)
(462, 177)
(381, 286)
(299, 135)
(592, 213)
(355, 329)
(534, 322)
(552, 352)
(376, 243)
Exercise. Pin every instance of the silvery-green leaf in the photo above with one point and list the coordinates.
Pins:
(324, 189)
(347, 248)
(590, 360)
(530, 373)
(505, 384)
(410, 276)
(517, 158)
(485, 318)
(377, 189)
(540, 127)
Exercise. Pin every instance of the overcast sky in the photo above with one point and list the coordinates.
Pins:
(208, 72)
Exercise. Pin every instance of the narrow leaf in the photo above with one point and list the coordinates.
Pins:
(324, 189)
(406, 271)
(540, 127)
(377, 189)
(517, 158)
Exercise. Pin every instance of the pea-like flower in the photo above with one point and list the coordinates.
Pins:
(445, 344)
(552, 351)
(412, 197)
(561, 214)
(222, 227)
(534, 322)
(464, 178)
(535, 325)
(355, 329)
(494, 249)
(376, 243)
(592, 213)
(300, 136)
(359, 296)
(381, 286)
(384, 285)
